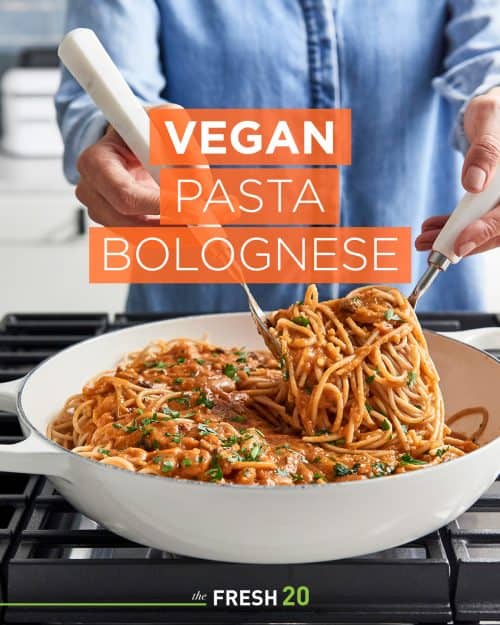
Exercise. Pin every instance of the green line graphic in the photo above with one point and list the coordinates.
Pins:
(107, 604)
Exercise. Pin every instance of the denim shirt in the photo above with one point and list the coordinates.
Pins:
(406, 68)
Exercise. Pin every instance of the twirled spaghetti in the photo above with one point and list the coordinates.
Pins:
(356, 396)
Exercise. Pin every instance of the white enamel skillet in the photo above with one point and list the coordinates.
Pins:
(254, 523)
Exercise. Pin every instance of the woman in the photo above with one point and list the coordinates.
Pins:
(417, 74)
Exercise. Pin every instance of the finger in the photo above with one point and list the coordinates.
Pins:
(425, 240)
(482, 126)
(100, 210)
(107, 166)
(435, 222)
(479, 233)
(490, 245)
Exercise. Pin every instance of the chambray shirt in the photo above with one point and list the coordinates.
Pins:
(406, 68)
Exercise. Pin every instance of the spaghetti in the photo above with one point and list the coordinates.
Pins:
(356, 396)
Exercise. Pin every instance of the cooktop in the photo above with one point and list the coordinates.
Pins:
(57, 566)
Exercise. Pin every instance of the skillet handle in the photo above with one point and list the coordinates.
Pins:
(483, 338)
(33, 454)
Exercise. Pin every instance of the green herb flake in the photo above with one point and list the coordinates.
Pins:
(104, 452)
(301, 321)
(406, 459)
(180, 361)
(167, 467)
(200, 361)
(284, 368)
(139, 411)
(215, 472)
(385, 425)
(204, 401)
(441, 451)
(156, 444)
(204, 430)
(390, 315)
(380, 469)
(411, 379)
(368, 407)
(317, 476)
(238, 418)
(184, 401)
(370, 379)
(186, 462)
(282, 473)
(174, 414)
(341, 470)
(178, 380)
(230, 371)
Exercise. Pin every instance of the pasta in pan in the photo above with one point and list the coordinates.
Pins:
(356, 396)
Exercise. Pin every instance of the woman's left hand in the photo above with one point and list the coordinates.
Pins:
(482, 128)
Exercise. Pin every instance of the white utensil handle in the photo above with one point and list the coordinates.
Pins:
(471, 207)
(87, 60)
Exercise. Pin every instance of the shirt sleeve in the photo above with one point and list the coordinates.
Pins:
(472, 62)
(129, 30)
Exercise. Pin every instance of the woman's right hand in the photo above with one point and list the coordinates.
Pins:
(114, 186)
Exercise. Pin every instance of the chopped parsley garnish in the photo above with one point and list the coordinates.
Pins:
(230, 441)
(390, 315)
(339, 441)
(372, 377)
(156, 365)
(180, 361)
(200, 361)
(204, 401)
(178, 380)
(284, 369)
(184, 401)
(230, 371)
(404, 428)
(317, 459)
(368, 407)
(441, 451)
(104, 452)
(411, 379)
(239, 418)
(385, 425)
(139, 411)
(317, 476)
(255, 452)
(204, 430)
(301, 321)
(285, 446)
(157, 459)
(177, 438)
(321, 433)
(186, 462)
(174, 414)
(282, 473)
(156, 444)
(341, 470)
(296, 477)
(167, 466)
(380, 469)
(215, 472)
(118, 426)
(149, 420)
(408, 459)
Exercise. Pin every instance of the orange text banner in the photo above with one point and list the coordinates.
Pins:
(250, 136)
(225, 255)
(249, 196)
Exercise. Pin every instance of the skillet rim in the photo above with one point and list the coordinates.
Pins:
(255, 487)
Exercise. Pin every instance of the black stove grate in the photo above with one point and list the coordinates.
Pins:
(51, 553)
